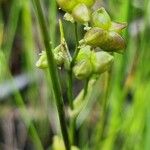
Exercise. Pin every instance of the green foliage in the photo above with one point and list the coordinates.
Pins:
(111, 111)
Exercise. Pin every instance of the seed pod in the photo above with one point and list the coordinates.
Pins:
(82, 69)
(101, 19)
(42, 62)
(84, 53)
(102, 62)
(67, 5)
(59, 55)
(81, 13)
(114, 43)
(117, 27)
(83, 66)
(95, 37)
(88, 3)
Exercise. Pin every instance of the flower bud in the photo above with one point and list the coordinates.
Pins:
(88, 3)
(67, 5)
(59, 55)
(81, 13)
(114, 43)
(117, 27)
(42, 62)
(83, 67)
(102, 62)
(95, 37)
(101, 19)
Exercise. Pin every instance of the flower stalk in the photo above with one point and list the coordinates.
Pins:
(53, 73)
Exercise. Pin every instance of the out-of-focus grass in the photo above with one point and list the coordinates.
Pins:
(127, 125)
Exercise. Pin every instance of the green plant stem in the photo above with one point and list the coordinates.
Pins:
(73, 131)
(86, 86)
(70, 72)
(75, 53)
(52, 20)
(54, 74)
(70, 85)
(77, 45)
(70, 88)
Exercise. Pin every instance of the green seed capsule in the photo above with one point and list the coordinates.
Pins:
(117, 27)
(59, 55)
(82, 69)
(95, 37)
(81, 13)
(114, 43)
(88, 3)
(83, 66)
(102, 62)
(101, 19)
(67, 5)
(84, 53)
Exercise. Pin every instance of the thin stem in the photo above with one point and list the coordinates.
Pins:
(53, 73)
(70, 85)
(77, 45)
(70, 72)
(70, 88)
(86, 86)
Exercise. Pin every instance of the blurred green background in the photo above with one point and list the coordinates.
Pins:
(28, 117)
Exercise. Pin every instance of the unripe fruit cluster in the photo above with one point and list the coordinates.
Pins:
(103, 34)
(79, 9)
(90, 62)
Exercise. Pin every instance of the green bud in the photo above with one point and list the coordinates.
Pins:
(84, 53)
(102, 62)
(83, 66)
(82, 69)
(117, 27)
(42, 62)
(101, 19)
(95, 37)
(59, 55)
(81, 13)
(67, 5)
(88, 3)
(114, 43)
